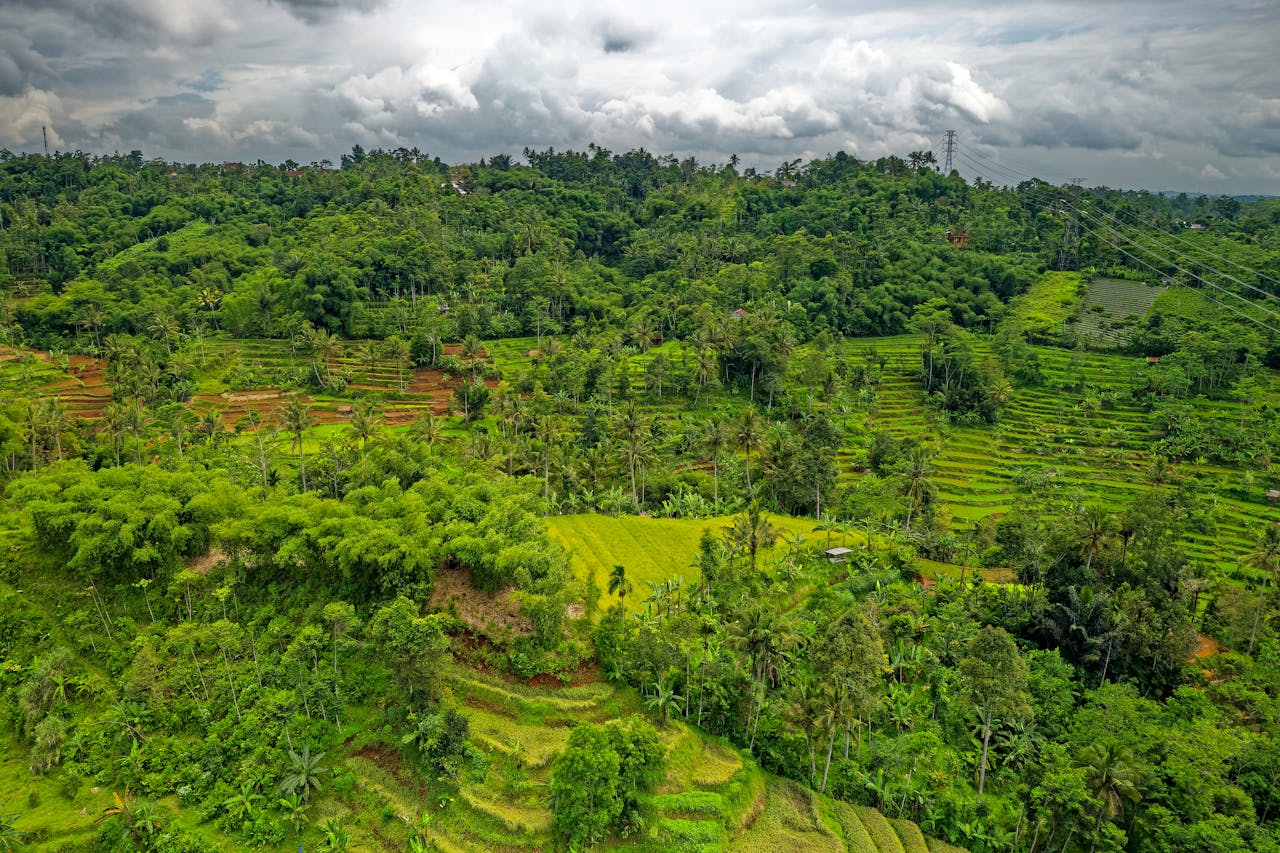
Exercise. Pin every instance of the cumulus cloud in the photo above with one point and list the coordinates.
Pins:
(1132, 92)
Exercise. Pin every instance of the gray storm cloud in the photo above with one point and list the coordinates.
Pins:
(1164, 95)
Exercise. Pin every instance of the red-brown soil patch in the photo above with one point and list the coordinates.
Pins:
(83, 391)
(1206, 647)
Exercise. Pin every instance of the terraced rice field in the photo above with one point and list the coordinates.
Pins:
(78, 381)
(712, 798)
(1112, 308)
(1051, 438)
(401, 395)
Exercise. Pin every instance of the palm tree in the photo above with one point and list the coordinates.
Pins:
(323, 346)
(551, 350)
(634, 428)
(303, 775)
(748, 435)
(472, 348)
(715, 438)
(211, 426)
(136, 420)
(1111, 777)
(53, 420)
(1095, 526)
(210, 298)
(764, 642)
(546, 430)
(368, 355)
(165, 328)
(364, 423)
(643, 332)
(918, 485)
(753, 532)
(94, 320)
(296, 417)
(619, 585)
(427, 427)
(399, 351)
(705, 369)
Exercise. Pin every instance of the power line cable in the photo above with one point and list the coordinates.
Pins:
(1020, 177)
(1037, 193)
(990, 172)
(974, 160)
(1197, 262)
(1010, 172)
(1231, 308)
(1168, 262)
(1155, 227)
(1102, 223)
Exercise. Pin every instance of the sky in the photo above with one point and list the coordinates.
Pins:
(1162, 95)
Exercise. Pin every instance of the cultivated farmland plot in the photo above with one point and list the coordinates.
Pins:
(1047, 439)
(1112, 309)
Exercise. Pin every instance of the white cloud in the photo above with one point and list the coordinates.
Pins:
(24, 116)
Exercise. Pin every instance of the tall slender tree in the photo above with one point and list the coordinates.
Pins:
(296, 418)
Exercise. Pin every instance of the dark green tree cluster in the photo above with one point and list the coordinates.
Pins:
(596, 782)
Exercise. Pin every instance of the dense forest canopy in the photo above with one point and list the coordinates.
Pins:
(292, 455)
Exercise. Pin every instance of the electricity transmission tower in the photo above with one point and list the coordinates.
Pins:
(1068, 253)
(949, 149)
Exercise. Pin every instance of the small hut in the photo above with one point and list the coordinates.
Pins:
(838, 555)
(1273, 495)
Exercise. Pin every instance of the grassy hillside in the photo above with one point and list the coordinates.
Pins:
(712, 798)
(1047, 308)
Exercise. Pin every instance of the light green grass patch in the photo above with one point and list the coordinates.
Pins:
(540, 743)
(856, 837)
(526, 701)
(1044, 311)
(715, 765)
(516, 818)
(909, 834)
(706, 803)
(881, 831)
(933, 569)
(788, 822)
(684, 834)
(650, 549)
